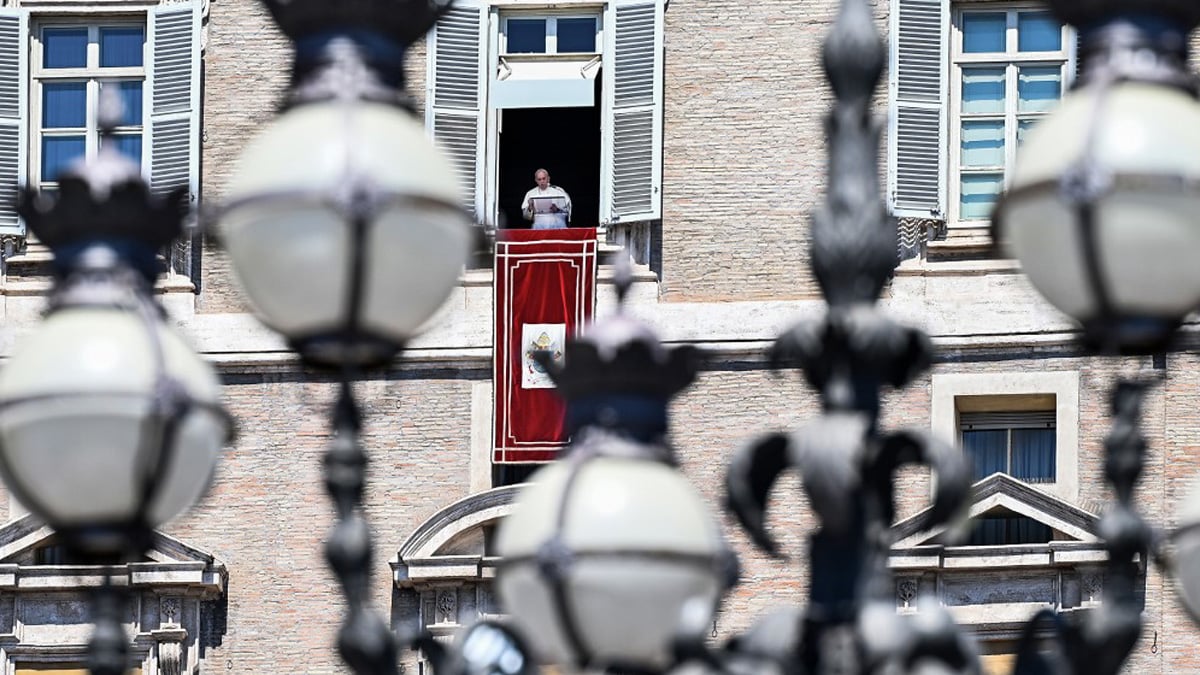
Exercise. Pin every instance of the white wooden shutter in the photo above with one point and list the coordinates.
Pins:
(174, 98)
(14, 107)
(917, 136)
(631, 138)
(173, 91)
(456, 94)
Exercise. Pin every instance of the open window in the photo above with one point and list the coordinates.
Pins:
(574, 89)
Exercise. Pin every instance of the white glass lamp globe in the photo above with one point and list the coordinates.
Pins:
(291, 231)
(77, 432)
(1186, 558)
(642, 550)
(1146, 149)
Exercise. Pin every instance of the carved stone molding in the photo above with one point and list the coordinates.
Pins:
(1092, 584)
(906, 591)
(447, 606)
(169, 650)
(170, 611)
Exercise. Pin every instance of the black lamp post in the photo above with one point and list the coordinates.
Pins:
(344, 228)
(109, 424)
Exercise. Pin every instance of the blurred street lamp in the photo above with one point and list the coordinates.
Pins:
(343, 219)
(344, 226)
(1103, 203)
(109, 424)
(610, 557)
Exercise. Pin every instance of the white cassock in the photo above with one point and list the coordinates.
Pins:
(536, 204)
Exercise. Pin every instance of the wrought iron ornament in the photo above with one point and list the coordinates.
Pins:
(365, 642)
(846, 463)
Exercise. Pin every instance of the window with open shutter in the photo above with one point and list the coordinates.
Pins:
(174, 95)
(456, 94)
(14, 78)
(631, 146)
(917, 138)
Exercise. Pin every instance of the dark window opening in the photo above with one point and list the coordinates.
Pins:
(565, 142)
(576, 35)
(526, 36)
(57, 554)
(1022, 445)
(1001, 530)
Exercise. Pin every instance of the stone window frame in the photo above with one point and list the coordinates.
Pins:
(948, 388)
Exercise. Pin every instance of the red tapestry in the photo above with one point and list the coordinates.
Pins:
(545, 292)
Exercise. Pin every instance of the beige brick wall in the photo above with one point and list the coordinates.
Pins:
(744, 147)
(267, 515)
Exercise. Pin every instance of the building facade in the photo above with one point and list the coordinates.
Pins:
(690, 132)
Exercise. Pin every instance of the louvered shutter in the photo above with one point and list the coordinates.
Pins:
(457, 93)
(631, 139)
(173, 135)
(917, 136)
(14, 107)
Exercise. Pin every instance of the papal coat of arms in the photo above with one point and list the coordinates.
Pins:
(540, 337)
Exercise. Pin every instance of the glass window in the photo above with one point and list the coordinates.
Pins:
(130, 146)
(131, 100)
(984, 32)
(978, 195)
(526, 36)
(64, 47)
(64, 105)
(65, 126)
(58, 152)
(1038, 32)
(1008, 71)
(983, 90)
(1038, 88)
(1020, 445)
(121, 46)
(577, 35)
(983, 144)
(1008, 529)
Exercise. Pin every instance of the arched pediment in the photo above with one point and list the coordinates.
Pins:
(451, 544)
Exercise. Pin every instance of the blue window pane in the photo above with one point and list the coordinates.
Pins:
(526, 36)
(131, 100)
(58, 152)
(1033, 455)
(978, 195)
(983, 90)
(64, 47)
(129, 145)
(983, 144)
(576, 35)
(121, 47)
(64, 105)
(1038, 88)
(1038, 32)
(987, 450)
(983, 32)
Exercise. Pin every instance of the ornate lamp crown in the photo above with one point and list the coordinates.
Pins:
(104, 201)
(379, 30)
(618, 374)
(1084, 14)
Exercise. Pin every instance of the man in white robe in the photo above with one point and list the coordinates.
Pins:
(548, 206)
